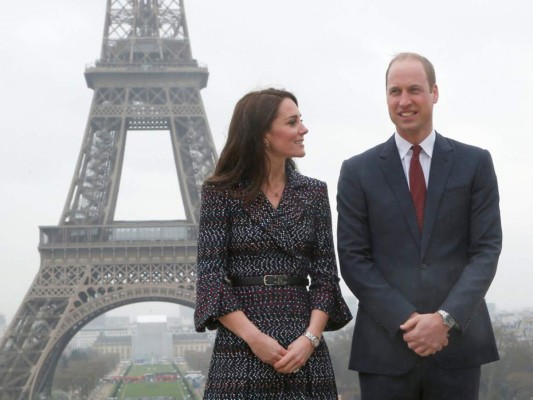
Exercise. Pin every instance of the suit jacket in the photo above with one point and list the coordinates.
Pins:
(394, 270)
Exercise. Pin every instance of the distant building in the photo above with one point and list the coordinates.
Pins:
(101, 326)
(83, 340)
(120, 345)
(524, 331)
(183, 342)
(187, 314)
(151, 339)
(508, 320)
(517, 325)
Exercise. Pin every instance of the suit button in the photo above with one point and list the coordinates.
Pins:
(424, 266)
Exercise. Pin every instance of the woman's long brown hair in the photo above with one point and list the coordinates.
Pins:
(243, 156)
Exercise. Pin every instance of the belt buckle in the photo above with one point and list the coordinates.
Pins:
(276, 280)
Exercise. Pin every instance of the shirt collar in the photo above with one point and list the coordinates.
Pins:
(404, 146)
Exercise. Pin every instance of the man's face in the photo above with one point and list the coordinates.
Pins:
(410, 99)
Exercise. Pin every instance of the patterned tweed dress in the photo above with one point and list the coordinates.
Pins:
(254, 239)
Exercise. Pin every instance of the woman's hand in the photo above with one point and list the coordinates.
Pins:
(297, 355)
(266, 348)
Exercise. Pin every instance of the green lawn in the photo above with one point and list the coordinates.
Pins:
(152, 389)
(176, 389)
(137, 370)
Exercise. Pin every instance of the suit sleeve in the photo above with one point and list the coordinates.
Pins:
(387, 306)
(485, 243)
(214, 297)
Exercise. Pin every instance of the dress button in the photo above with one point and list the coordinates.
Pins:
(424, 266)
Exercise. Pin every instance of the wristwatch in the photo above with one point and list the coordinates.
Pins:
(447, 319)
(314, 340)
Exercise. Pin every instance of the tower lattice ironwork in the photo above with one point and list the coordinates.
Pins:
(145, 79)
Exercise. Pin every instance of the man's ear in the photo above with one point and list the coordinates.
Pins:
(435, 93)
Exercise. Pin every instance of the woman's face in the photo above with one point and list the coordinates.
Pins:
(286, 136)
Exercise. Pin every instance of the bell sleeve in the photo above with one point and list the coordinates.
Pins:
(325, 292)
(214, 297)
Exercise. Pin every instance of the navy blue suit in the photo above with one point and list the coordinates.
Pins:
(394, 270)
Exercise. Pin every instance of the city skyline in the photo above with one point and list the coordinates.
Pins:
(181, 312)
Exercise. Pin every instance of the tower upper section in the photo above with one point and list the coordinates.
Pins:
(145, 79)
(146, 32)
(148, 37)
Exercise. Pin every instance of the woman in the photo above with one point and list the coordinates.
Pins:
(264, 228)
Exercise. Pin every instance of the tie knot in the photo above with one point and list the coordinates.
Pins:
(416, 150)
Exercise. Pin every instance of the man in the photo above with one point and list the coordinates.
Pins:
(419, 237)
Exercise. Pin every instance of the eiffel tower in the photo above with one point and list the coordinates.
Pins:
(145, 79)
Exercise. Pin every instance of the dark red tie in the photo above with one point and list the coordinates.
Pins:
(417, 185)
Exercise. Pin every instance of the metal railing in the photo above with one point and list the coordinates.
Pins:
(57, 235)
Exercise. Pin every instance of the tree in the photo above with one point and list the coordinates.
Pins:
(82, 370)
(512, 376)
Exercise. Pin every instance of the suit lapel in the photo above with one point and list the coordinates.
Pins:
(391, 166)
(441, 165)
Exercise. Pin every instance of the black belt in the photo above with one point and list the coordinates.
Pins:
(269, 280)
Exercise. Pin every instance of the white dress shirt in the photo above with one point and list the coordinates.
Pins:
(405, 151)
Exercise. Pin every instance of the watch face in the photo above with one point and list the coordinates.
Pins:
(314, 340)
(447, 319)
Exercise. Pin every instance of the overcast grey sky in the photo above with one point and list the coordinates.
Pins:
(332, 55)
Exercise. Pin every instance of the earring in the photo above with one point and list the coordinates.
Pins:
(267, 144)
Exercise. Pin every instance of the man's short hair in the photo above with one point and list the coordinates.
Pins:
(428, 67)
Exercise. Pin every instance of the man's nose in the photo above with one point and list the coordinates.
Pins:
(405, 99)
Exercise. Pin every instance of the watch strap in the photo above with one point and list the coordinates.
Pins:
(315, 341)
(447, 319)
